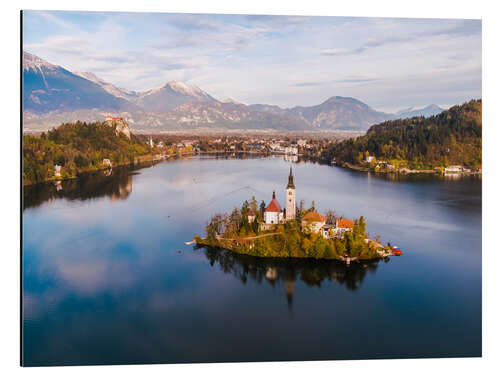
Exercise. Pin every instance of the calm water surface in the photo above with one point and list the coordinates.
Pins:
(109, 280)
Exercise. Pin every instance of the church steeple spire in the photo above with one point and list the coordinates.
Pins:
(291, 206)
(290, 180)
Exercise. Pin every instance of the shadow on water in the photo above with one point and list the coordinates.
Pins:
(115, 184)
(275, 271)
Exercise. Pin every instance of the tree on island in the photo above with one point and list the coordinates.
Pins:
(254, 205)
(331, 217)
(262, 207)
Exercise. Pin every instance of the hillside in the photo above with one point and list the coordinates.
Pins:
(453, 137)
(77, 148)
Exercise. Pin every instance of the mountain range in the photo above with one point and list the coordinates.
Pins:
(53, 95)
(428, 111)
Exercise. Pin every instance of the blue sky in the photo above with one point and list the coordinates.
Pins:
(388, 63)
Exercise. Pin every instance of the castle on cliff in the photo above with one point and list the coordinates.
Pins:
(121, 126)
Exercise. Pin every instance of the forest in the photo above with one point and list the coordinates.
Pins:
(453, 137)
(76, 147)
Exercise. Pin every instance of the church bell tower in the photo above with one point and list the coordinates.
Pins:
(291, 206)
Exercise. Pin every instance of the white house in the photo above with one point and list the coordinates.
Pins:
(251, 216)
(57, 170)
(453, 169)
(313, 222)
(343, 225)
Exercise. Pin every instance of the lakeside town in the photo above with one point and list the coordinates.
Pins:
(75, 148)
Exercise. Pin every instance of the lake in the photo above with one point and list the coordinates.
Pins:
(108, 279)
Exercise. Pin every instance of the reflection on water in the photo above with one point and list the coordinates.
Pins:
(115, 184)
(287, 271)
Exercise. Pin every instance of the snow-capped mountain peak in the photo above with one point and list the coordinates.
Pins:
(185, 89)
(33, 62)
(91, 77)
(426, 111)
(231, 101)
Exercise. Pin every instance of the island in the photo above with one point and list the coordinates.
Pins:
(294, 232)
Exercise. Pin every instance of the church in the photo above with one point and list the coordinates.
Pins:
(311, 222)
(273, 213)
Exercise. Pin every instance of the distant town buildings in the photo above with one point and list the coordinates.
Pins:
(291, 150)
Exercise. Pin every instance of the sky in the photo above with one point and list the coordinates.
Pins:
(388, 63)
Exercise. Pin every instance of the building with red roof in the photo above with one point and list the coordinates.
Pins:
(313, 221)
(273, 213)
(343, 225)
(251, 216)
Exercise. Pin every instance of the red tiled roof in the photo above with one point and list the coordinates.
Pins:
(274, 206)
(113, 118)
(250, 213)
(345, 223)
(314, 216)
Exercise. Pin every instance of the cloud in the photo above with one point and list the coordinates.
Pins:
(464, 28)
(53, 19)
(277, 21)
(357, 80)
(192, 22)
(307, 84)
